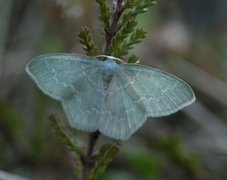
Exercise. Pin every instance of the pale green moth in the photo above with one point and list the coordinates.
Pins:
(115, 99)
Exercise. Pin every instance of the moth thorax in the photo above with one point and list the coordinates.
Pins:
(107, 79)
(109, 67)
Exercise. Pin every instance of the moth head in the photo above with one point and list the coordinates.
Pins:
(109, 67)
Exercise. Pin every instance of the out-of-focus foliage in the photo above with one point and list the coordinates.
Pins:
(187, 38)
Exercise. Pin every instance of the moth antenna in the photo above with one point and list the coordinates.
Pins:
(110, 57)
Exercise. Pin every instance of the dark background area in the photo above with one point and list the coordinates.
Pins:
(186, 38)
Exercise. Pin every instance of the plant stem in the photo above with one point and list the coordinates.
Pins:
(112, 30)
(93, 137)
(87, 160)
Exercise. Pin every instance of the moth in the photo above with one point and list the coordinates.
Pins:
(114, 98)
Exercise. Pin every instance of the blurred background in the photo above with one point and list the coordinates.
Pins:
(185, 38)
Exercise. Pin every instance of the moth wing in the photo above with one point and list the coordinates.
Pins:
(137, 92)
(75, 81)
(85, 107)
(162, 93)
(55, 73)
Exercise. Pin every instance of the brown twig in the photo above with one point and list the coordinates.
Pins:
(87, 160)
(93, 137)
(92, 142)
(112, 30)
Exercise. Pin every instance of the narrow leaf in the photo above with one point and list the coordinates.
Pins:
(122, 35)
(103, 159)
(105, 12)
(134, 38)
(87, 42)
(133, 59)
(61, 132)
